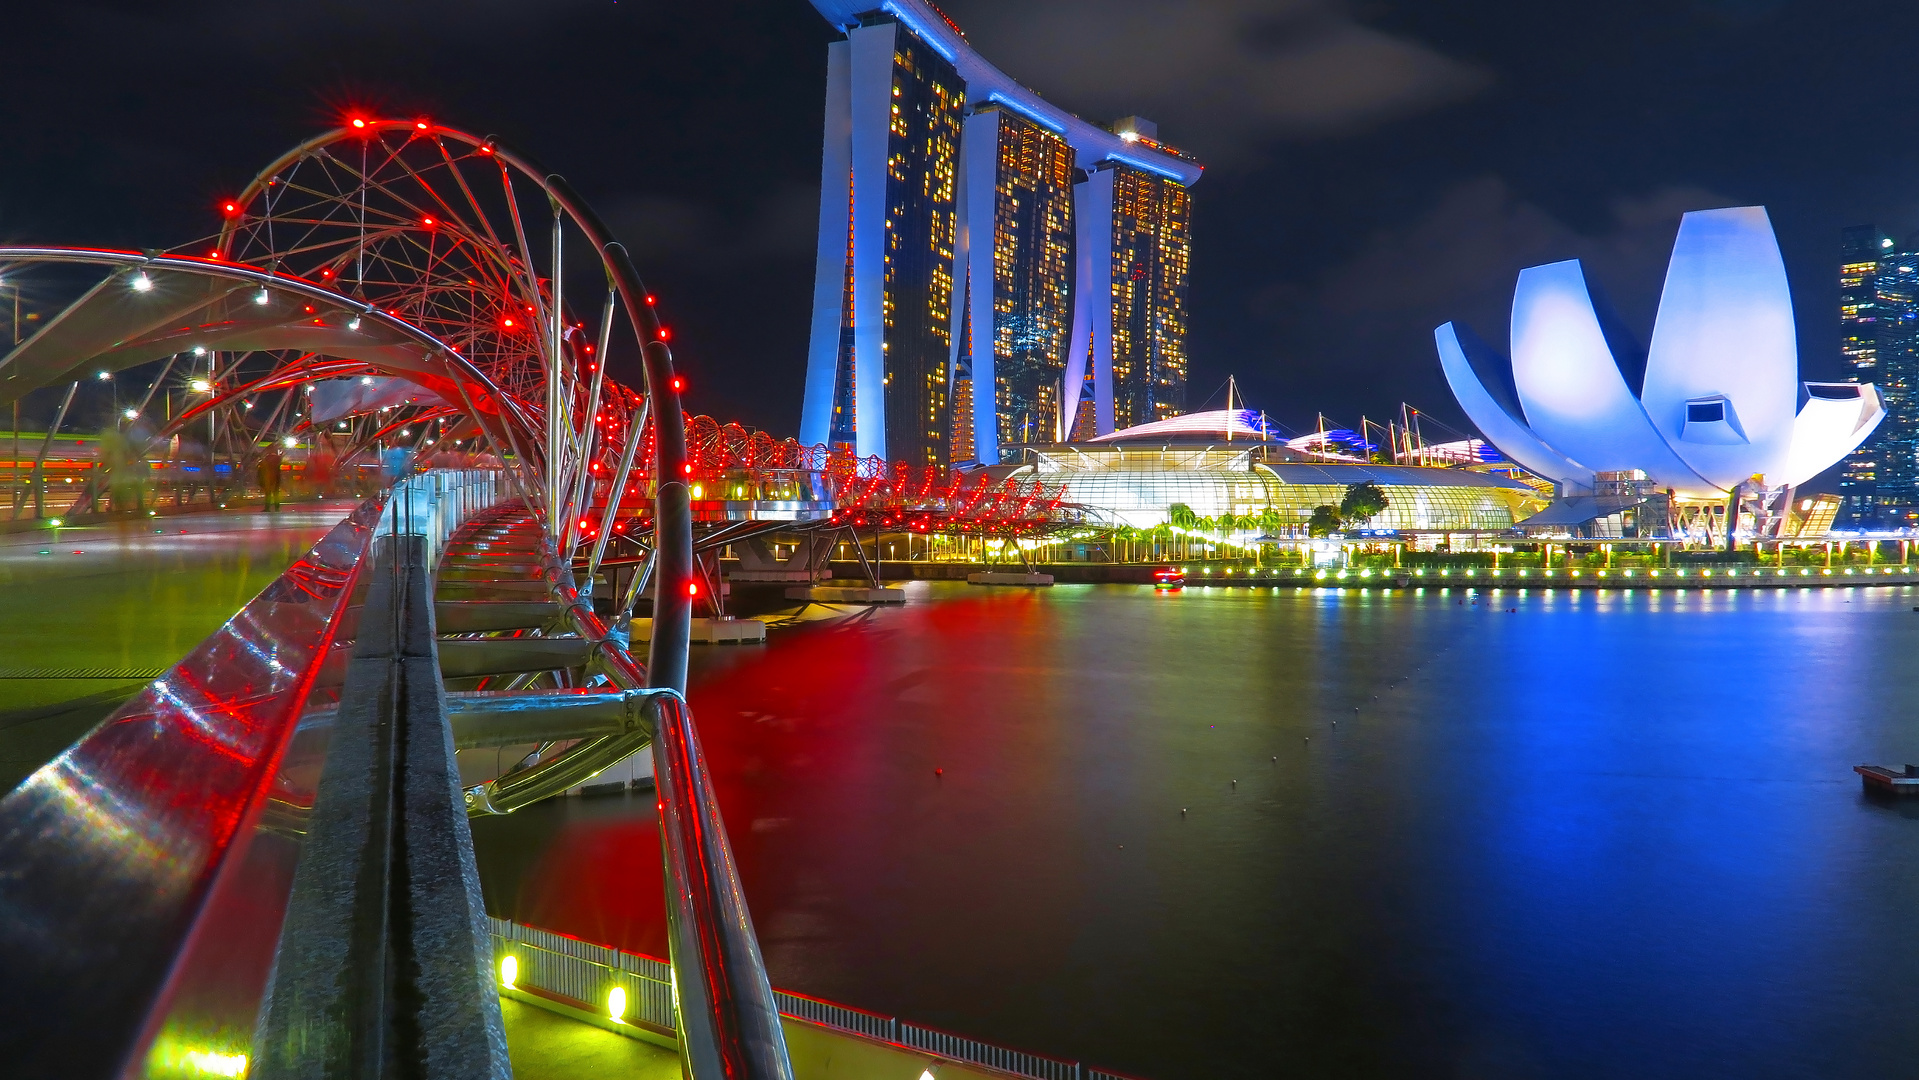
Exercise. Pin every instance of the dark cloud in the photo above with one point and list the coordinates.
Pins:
(711, 235)
(1219, 77)
(1462, 259)
(1377, 166)
(1368, 321)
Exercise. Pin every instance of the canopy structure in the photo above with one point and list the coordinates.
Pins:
(150, 307)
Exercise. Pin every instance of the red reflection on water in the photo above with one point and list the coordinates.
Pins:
(820, 753)
(599, 880)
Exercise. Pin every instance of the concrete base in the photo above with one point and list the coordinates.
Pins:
(711, 631)
(994, 577)
(806, 577)
(845, 594)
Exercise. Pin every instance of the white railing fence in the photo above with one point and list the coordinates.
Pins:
(583, 975)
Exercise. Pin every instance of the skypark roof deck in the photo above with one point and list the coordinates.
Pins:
(985, 83)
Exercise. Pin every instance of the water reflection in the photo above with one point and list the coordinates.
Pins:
(1452, 832)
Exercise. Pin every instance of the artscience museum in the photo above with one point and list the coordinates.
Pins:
(1712, 409)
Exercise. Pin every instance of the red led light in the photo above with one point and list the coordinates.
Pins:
(231, 207)
(486, 149)
(687, 468)
(428, 222)
(649, 301)
(358, 123)
(507, 322)
(665, 334)
(420, 125)
(678, 384)
(692, 587)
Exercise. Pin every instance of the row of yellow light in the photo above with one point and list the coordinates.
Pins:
(615, 998)
(1321, 575)
(615, 1002)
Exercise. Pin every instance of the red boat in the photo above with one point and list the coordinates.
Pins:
(1167, 577)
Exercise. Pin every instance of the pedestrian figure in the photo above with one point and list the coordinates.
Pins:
(270, 477)
(397, 463)
(320, 465)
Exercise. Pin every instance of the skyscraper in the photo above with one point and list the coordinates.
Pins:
(1896, 286)
(1152, 246)
(1019, 282)
(988, 254)
(883, 292)
(1879, 338)
(1859, 250)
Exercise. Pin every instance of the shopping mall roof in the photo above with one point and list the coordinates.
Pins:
(1237, 425)
(1388, 475)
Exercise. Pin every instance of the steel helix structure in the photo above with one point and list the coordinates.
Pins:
(406, 293)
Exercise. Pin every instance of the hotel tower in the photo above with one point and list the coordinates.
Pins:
(992, 270)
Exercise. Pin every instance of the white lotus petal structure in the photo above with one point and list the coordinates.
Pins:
(1715, 402)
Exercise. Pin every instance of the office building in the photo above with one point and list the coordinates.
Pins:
(1860, 248)
(1879, 328)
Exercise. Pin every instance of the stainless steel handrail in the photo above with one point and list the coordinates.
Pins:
(728, 1018)
(147, 868)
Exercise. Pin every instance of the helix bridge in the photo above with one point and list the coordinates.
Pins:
(261, 864)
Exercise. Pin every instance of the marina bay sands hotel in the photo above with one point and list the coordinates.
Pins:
(992, 269)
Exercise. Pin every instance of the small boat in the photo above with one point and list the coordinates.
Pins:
(1168, 577)
(1880, 778)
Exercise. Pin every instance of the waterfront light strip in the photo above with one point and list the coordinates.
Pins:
(1679, 577)
(632, 994)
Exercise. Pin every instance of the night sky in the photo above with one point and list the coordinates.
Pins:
(1374, 168)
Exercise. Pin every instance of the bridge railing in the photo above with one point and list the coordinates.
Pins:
(435, 504)
(149, 865)
(553, 968)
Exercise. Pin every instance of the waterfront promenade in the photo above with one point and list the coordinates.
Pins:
(1219, 573)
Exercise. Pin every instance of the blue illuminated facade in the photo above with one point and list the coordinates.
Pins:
(1714, 404)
